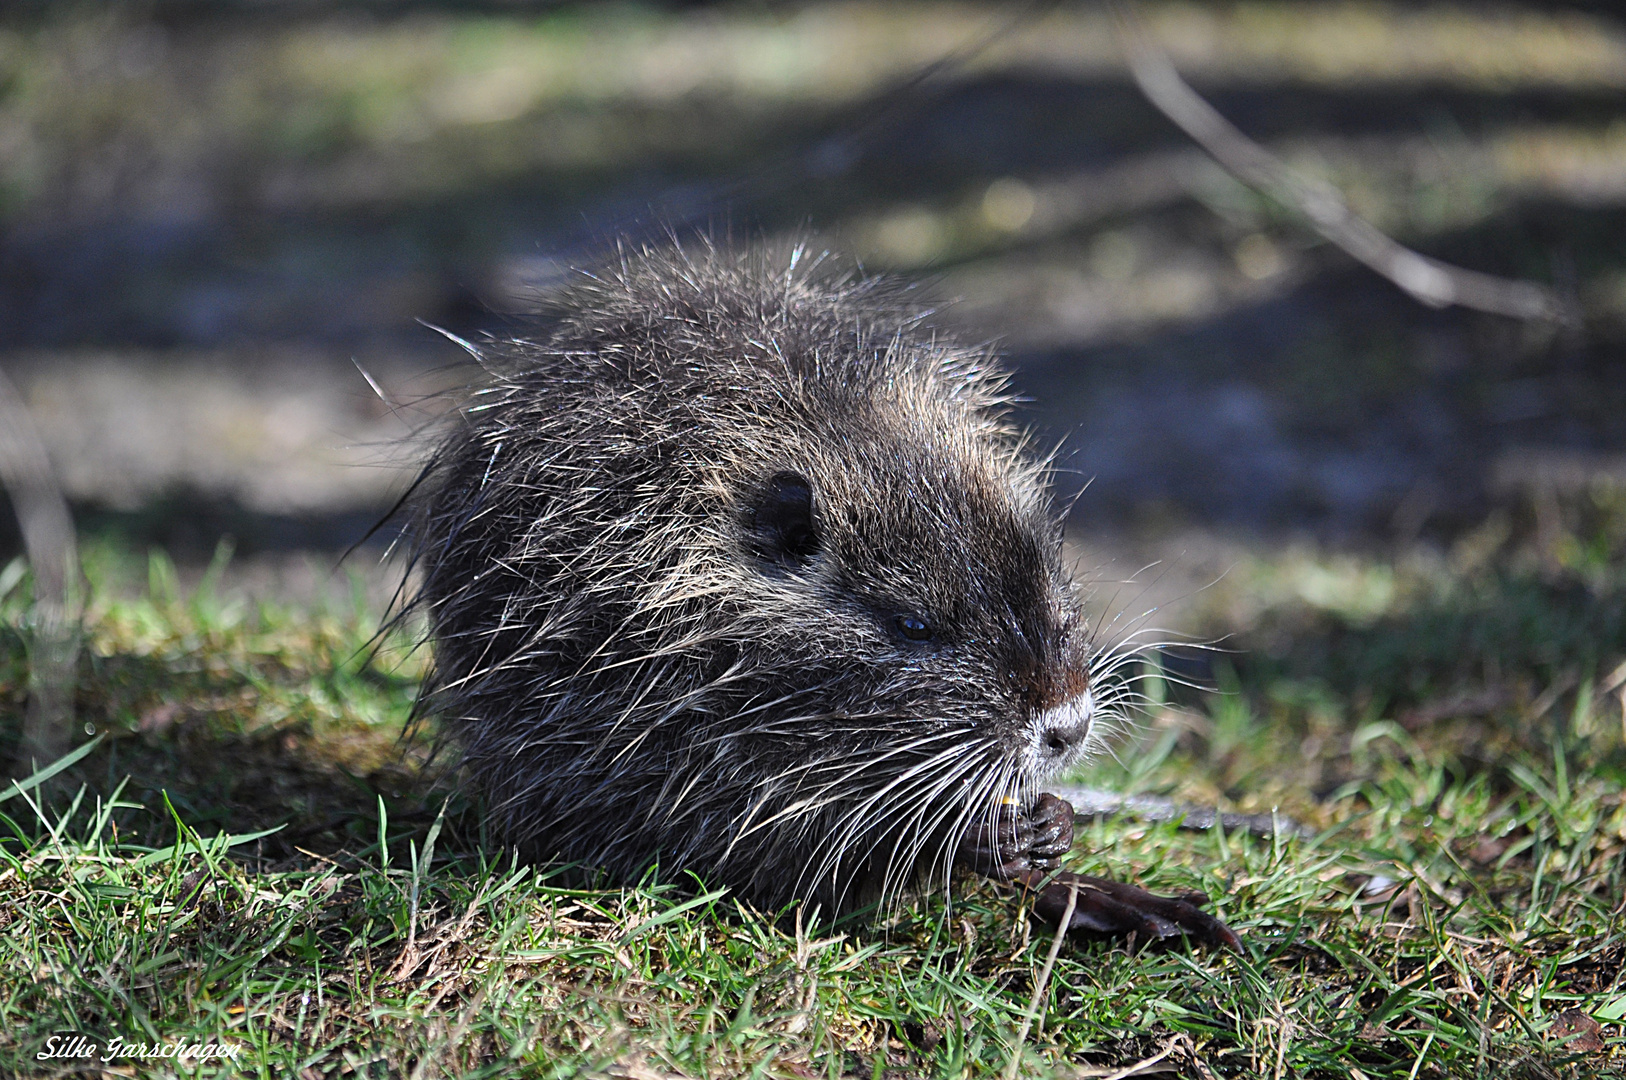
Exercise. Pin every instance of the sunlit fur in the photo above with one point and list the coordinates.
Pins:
(633, 682)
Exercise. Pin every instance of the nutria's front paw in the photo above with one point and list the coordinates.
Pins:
(1051, 821)
(1118, 910)
(1018, 841)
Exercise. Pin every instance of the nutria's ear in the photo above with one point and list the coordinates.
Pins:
(781, 519)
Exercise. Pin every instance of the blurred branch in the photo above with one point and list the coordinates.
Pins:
(1430, 281)
(48, 538)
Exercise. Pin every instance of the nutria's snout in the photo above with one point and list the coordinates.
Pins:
(1062, 734)
(1060, 704)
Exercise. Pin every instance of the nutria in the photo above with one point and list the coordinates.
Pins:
(740, 568)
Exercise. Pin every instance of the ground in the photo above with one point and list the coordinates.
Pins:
(261, 851)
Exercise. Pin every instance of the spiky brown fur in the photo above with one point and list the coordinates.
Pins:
(649, 654)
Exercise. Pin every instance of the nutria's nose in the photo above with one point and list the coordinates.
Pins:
(1065, 728)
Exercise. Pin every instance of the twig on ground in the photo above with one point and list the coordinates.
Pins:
(1429, 281)
(1141, 1067)
(1042, 983)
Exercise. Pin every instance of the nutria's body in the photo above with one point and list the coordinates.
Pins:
(742, 569)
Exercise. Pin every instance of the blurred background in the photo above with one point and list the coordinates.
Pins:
(213, 214)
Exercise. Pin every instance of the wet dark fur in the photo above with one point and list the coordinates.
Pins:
(664, 554)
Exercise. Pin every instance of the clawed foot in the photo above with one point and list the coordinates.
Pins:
(1024, 846)
(1118, 910)
(1020, 840)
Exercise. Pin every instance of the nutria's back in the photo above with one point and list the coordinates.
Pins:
(741, 568)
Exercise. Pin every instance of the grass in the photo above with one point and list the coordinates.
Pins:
(253, 854)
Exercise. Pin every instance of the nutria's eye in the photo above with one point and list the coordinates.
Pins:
(781, 522)
(914, 627)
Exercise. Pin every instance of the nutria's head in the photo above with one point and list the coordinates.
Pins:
(901, 574)
(743, 571)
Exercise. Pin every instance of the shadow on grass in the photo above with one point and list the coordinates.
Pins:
(239, 716)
